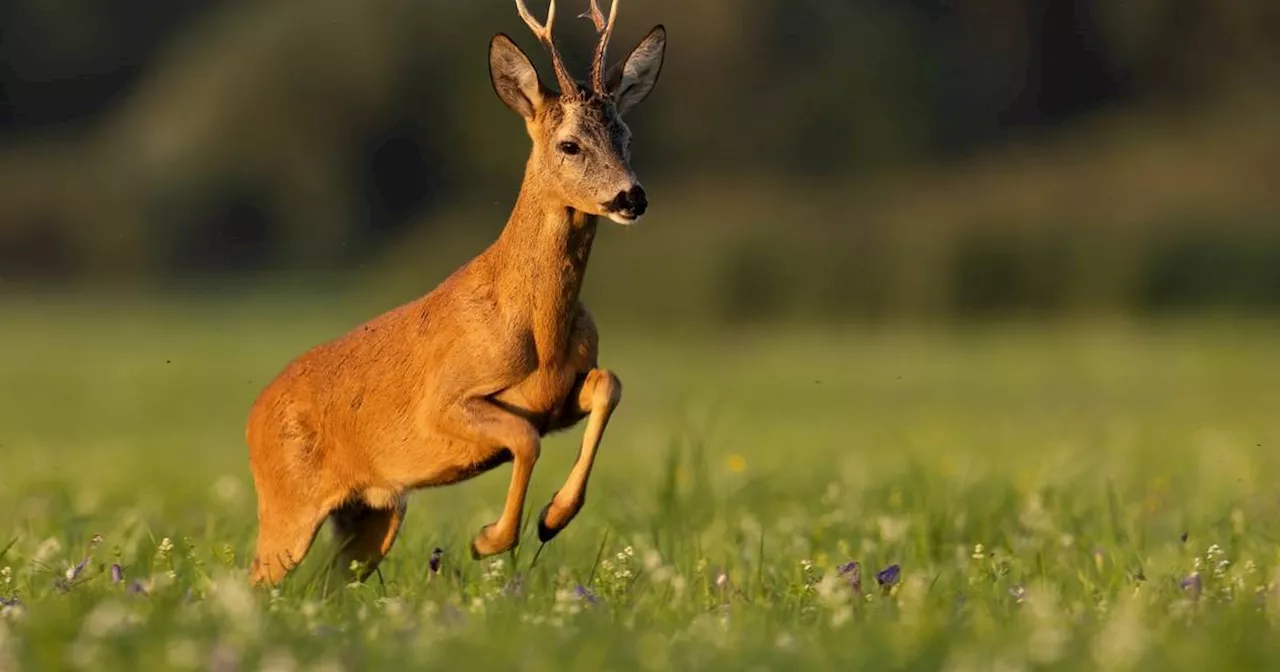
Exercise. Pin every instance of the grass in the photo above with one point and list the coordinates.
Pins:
(1067, 498)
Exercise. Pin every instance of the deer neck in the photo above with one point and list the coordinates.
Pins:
(542, 254)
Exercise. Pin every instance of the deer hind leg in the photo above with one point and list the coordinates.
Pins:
(599, 395)
(366, 534)
(481, 423)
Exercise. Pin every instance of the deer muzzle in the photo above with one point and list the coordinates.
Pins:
(628, 206)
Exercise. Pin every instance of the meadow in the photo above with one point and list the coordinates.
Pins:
(1005, 497)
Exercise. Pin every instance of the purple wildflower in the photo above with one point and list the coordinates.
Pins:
(888, 576)
(854, 572)
(433, 563)
(136, 588)
(10, 606)
(73, 573)
(117, 574)
(585, 593)
(1193, 584)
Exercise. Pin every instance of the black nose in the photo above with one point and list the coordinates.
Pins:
(631, 202)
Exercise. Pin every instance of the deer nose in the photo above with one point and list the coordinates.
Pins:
(632, 202)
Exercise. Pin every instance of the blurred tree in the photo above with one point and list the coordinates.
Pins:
(146, 141)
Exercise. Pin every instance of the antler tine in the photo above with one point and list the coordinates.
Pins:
(543, 32)
(597, 16)
(605, 29)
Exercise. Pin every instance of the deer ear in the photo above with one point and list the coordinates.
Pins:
(514, 78)
(635, 77)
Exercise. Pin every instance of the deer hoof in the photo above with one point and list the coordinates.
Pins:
(545, 532)
(488, 543)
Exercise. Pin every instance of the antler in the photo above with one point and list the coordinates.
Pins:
(543, 32)
(605, 29)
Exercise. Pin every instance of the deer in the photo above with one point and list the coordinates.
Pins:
(473, 374)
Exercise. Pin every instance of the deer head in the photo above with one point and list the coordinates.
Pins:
(581, 147)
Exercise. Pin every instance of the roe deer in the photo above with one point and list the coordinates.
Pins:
(474, 373)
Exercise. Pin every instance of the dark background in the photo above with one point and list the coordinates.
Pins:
(810, 160)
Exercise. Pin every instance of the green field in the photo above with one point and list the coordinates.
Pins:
(1055, 498)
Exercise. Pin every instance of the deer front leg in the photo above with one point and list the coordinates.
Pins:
(480, 422)
(599, 395)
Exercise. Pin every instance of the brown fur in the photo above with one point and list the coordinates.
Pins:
(474, 373)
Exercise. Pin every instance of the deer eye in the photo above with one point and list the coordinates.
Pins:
(570, 148)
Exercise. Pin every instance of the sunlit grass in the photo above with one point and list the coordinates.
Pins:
(1014, 498)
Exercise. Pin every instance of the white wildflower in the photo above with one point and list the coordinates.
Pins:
(494, 573)
(978, 552)
(6, 576)
(165, 549)
(275, 599)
